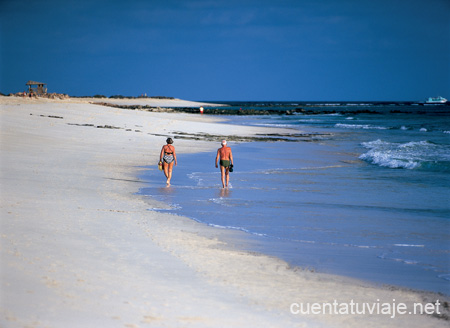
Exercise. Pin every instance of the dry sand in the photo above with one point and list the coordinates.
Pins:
(80, 249)
(154, 102)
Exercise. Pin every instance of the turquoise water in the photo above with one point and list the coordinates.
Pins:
(371, 201)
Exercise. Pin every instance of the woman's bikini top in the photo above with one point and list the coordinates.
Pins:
(167, 153)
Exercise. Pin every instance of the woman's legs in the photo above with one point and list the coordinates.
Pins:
(168, 172)
(166, 169)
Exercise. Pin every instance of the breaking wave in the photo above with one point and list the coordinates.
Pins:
(359, 126)
(421, 155)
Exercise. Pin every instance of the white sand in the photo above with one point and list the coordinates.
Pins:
(153, 102)
(147, 102)
(79, 249)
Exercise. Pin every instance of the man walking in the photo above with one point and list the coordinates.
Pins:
(226, 160)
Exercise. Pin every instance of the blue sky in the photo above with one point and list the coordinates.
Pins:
(312, 50)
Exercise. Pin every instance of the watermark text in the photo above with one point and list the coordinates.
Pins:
(354, 308)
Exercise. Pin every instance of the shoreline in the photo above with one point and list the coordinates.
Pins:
(79, 247)
(196, 194)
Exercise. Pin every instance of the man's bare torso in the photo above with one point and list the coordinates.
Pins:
(224, 153)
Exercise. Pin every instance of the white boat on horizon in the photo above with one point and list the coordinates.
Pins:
(436, 100)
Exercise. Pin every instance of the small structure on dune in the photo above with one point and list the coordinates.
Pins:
(37, 88)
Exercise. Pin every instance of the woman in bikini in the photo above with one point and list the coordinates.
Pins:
(167, 158)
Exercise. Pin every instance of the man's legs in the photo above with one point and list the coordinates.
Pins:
(224, 175)
(227, 175)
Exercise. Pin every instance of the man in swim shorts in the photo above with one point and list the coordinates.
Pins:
(226, 159)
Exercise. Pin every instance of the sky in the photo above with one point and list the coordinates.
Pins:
(242, 50)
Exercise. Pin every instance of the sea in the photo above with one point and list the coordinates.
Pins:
(367, 195)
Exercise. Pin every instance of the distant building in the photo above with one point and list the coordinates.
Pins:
(37, 88)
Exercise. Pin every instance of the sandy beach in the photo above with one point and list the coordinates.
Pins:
(79, 248)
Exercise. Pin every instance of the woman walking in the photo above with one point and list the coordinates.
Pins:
(167, 158)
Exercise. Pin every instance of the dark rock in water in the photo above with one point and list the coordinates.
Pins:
(273, 137)
(243, 111)
(107, 127)
(396, 111)
(207, 110)
(295, 111)
(77, 124)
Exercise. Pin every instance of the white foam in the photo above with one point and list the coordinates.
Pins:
(276, 125)
(359, 126)
(423, 130)
(376, 143)
(445, 276)
(219, 201)
(407, 155)
(309, 120)
(408, 245)
(385, 159)
(237, 228)
(409, 261)
(414, 144)
(406, 261)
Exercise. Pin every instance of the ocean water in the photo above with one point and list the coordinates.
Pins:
(370, 199)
